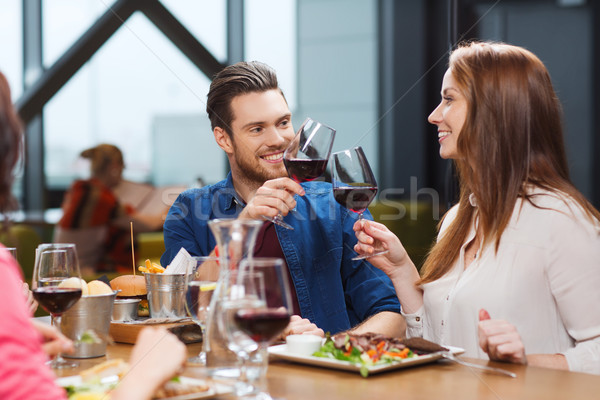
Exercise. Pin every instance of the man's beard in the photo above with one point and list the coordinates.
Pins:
(253, 173)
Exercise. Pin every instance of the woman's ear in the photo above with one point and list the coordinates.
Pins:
(223, 140)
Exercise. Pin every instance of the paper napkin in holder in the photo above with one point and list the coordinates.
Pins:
(182, 264)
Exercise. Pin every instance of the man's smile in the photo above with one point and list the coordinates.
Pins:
(273, 157)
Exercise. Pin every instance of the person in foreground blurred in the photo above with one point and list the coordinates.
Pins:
(251, 122)
(514, 274)
(95, 220)
(25, 343)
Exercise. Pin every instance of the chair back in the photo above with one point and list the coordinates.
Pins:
(26, 240)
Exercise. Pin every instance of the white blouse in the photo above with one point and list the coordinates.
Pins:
(544, 279)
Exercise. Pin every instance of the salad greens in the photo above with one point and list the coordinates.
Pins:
(379, 353)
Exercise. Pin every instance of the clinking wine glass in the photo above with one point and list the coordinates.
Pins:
(200, 287)
(263, 321)
(306, 156)
(354, 185)
(57, 287)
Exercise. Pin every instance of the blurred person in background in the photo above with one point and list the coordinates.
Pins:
(25, 343)
(515, 272)
(95, 220)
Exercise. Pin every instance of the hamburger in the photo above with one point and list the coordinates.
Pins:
(132, 287)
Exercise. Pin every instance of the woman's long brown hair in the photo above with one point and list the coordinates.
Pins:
(512, 137)
(10, 145)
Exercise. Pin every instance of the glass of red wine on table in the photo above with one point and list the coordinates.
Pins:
(354, 184)
(306, 156)
(57, 287)
(258, 310)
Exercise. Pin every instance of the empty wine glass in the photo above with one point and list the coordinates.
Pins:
(57, 287)
(306, 156)
(354, 185)
(200, 287)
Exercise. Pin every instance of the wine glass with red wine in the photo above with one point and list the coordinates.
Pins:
(263, 319)
(57, 287)
(242, 290)
(307, 154)
(354, 185)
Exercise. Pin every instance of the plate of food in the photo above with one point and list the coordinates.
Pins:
(101, 379)
(368, 353)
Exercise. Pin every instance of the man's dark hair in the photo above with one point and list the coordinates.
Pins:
(234, 80)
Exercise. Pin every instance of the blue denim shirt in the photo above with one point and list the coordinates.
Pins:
(333, 291)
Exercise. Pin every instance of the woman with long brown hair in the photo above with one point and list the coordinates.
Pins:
(523, 244)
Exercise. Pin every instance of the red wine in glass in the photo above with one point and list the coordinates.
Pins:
(56, 300)
(56, 285)
(304, 170)
(355, 198)
(354, 184)
(306, 156)
(262, 325)
(261, 317)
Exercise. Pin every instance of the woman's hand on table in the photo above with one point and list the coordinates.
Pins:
(500, 339)
(53, 342)
(299, 326)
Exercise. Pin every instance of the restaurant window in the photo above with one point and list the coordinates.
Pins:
(205, 20)
(64, 21)
(11, 60)
(11, 43)
(140, 93)
(270, 36)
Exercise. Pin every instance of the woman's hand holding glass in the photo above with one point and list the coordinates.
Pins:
(372, 236)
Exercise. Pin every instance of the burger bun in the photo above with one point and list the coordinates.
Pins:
(98, 287)
(75, 283)
(129, 285)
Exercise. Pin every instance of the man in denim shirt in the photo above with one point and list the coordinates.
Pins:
(251, 122)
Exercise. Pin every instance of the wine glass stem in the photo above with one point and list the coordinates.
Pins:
(56, 319)
(204, 345)
(202, 354)
(262, 376)
(245, 357)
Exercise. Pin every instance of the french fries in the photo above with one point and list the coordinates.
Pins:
(151, 267)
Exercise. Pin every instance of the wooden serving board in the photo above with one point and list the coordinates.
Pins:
(187, 332)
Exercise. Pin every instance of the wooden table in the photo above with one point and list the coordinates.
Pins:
(442, 380)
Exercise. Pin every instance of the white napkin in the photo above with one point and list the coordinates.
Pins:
(183, 263)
